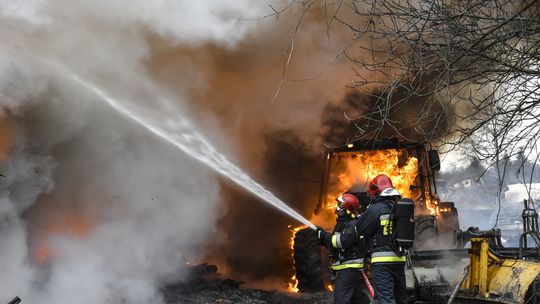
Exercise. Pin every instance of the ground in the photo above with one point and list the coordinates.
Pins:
(243, 295)
(204, 285)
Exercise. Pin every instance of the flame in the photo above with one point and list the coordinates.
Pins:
(293, 282)
(329, 287)
(293, 285)
(432, 206)
(45, 253)
(359, 168)
(73, 225)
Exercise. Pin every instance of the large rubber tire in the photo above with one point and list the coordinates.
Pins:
(307, 261)
(425, 231)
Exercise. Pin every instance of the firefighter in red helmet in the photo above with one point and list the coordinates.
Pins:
(347, 252)
(387, 263)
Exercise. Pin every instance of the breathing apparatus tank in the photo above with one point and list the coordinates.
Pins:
(403, 218)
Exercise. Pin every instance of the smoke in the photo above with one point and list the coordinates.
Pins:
(489, 199)
(379, 114)
(92, 204)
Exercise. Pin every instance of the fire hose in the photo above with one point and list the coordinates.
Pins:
(368, 284)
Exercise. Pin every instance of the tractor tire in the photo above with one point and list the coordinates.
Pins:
(308, 263)
(425, 231)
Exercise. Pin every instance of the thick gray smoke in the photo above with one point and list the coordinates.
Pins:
(92, 203)
(94, 209)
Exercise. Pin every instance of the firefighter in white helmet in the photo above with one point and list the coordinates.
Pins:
(348, 252)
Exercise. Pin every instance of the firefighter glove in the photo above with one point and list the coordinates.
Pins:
(321, 233)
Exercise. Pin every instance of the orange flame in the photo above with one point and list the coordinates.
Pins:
(74, 225)
(360, 167)
(293, 283)
(45, 253)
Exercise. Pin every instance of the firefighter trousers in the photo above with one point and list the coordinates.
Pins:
(388, 280)
(349, 287)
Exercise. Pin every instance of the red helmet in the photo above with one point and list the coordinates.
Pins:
(378, 184)
(349, 201)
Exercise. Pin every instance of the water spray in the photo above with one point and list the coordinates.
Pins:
(181, 134)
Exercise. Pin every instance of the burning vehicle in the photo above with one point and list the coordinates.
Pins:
(492, 272)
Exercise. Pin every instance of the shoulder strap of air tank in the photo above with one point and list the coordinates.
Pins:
(392, 205)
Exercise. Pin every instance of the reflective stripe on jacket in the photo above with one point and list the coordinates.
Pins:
(375, 225)
(356, 263)
(387, 257)
(347, 247)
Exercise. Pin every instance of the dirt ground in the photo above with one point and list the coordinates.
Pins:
(204, 285)
(241, 296)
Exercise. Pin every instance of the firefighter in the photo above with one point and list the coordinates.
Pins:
(348, 252)
(387, 263)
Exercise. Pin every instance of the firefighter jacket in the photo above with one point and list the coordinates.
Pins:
(347, 248)
(375, 226)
